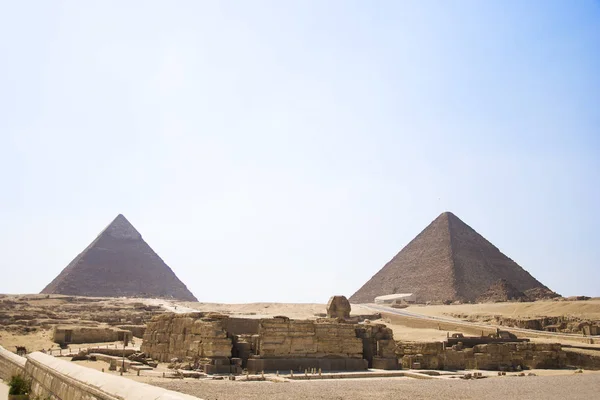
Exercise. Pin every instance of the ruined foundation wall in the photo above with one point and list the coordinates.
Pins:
(493, 356)
(195, 335)
(285, 338)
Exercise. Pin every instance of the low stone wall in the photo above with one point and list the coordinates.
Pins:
(10, 364)
(118, 352)
(493, 356)
(62, 380)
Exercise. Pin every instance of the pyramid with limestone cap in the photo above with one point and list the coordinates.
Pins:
(447, 261)
(119, 263)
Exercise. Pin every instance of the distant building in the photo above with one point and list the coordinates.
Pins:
(396, 298)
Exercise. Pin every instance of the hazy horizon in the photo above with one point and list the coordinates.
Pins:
(285, 151)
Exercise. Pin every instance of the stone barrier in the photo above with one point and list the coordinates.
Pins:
(10, 364)
(60, 379)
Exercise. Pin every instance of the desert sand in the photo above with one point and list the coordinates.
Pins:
(580, 386)
(589, 309)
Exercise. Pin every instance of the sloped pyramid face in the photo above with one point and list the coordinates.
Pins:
(501, 291)
(119, 263)
(448, 260)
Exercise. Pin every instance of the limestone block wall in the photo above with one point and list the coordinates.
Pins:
(284, 338)
(241, 326)
(57, 379)
(491, 356)
(10, 364)
(195, 335)
(378, 340)
(136, 330)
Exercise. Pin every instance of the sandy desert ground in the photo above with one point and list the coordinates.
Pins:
(589, 309)
(580, 386)
(42, 313)
(547, 384)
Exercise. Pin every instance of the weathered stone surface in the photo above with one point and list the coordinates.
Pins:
(119, 263)
(493, 356)
(338, 307)
(448, 261)
(77, 334)
(10, 364)
(195, 335)
(201, 336)
(501, 291)
(285, 338)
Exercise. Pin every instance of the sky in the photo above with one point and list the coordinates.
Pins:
(286, 150)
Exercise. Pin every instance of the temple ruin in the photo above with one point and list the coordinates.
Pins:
(222, 344)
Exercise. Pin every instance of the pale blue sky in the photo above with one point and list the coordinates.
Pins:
(286, 150)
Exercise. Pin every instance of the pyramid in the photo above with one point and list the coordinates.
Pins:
(119, 263)
(501, 291)
(448, 261)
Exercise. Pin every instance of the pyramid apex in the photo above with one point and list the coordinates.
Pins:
(448, 214)
(121, 228)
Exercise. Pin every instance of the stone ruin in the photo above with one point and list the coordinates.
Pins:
(199, 338)
(219, 344)
(491, 356)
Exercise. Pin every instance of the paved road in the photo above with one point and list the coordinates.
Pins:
(405, 313)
